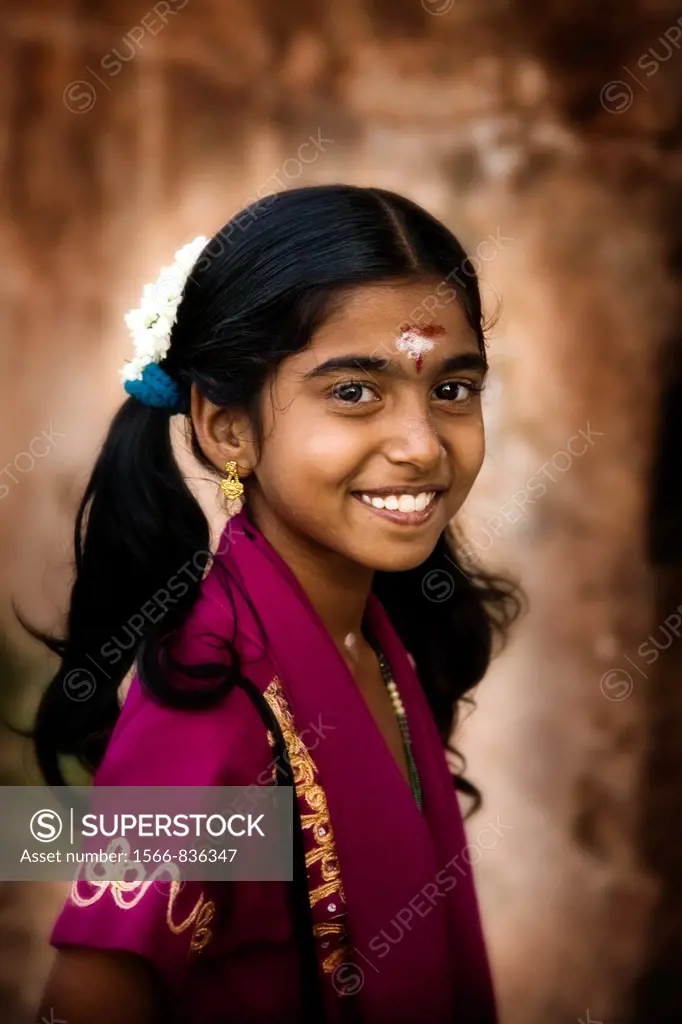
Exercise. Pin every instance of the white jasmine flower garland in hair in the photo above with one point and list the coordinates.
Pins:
(150, 325)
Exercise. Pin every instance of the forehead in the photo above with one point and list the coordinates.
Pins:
(374, 315)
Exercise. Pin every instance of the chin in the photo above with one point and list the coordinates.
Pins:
(396, 557)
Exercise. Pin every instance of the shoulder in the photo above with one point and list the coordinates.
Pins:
(226, 743)
(156, 745)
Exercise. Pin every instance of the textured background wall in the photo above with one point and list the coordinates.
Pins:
(548, 136)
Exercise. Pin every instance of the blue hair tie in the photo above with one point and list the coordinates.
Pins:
(151, 326)
(158, 390)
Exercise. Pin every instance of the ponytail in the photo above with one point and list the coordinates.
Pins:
(138, 526)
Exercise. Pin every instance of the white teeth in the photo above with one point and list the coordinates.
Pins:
(406, 503)
(401, 502)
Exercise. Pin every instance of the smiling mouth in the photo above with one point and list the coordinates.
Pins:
(407, 508)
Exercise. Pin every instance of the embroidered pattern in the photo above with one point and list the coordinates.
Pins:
(324, 873)
(200, 916)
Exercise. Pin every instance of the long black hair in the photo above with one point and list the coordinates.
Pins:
(260, 289)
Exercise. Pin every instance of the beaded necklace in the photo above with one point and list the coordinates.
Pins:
(400, 714)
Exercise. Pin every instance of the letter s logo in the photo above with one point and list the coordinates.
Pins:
(46, 826)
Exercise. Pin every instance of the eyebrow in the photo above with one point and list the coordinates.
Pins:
(374, 364)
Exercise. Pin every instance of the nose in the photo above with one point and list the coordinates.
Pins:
(414, 440)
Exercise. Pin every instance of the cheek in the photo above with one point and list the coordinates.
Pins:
(468, 449)
(302, 456)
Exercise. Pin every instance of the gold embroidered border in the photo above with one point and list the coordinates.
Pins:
(317, 819)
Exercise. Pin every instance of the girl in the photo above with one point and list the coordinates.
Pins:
(327, 351)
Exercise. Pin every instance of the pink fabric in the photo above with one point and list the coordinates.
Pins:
(417, 949)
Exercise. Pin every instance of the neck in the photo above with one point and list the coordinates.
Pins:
(337, 589)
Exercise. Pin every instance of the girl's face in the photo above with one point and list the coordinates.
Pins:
(373, 435)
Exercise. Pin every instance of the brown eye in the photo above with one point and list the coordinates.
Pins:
(352, 393)
(456, 391)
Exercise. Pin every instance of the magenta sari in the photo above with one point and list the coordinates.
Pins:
(396, 928)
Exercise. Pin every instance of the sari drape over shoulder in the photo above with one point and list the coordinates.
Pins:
(397, 930)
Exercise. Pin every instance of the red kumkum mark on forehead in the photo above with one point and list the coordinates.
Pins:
(429, 330)
(426, 330)
(409, 340)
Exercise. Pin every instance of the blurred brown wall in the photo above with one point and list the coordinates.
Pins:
(547, 135)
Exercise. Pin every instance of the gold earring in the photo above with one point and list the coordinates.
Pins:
(231, 486)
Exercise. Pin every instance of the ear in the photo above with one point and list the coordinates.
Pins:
(223, 435)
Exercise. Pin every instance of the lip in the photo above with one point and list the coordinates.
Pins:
(395, 515)
(384, 492)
